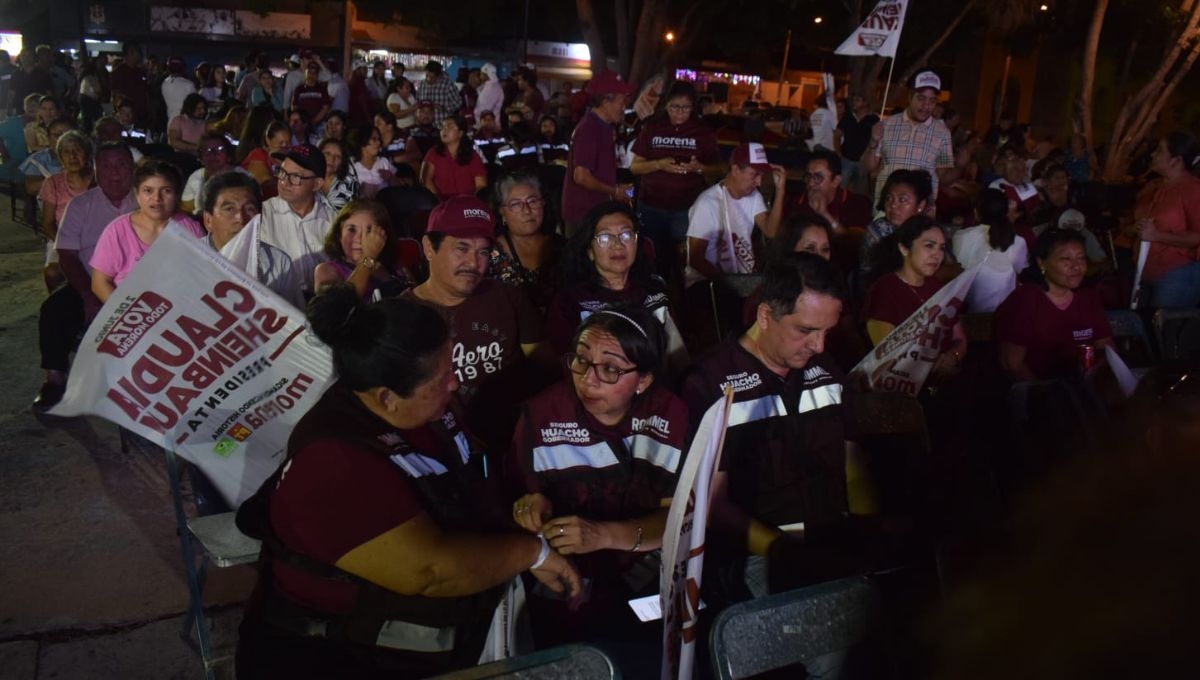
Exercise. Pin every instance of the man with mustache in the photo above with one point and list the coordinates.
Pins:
(494, 327)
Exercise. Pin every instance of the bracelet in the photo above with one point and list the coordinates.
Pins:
(543, 553)
(637, 543)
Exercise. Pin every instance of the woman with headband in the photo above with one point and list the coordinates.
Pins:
(593, 465)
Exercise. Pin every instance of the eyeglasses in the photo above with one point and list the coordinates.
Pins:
(605, 373)
(814, 178)
(532, 203)
(609, 240)
(291, 178)
(214, 149)
(679, 108)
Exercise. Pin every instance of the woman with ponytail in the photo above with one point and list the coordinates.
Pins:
(995, 245)
(383, 550)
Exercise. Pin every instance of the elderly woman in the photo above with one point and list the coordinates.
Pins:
(603, 267)
(125, 240)
(608, 508)
(406, 559)
(359, 247)
(451, 167)
(1040, 327)
(908, 261)
(75, 155)
(526, 250)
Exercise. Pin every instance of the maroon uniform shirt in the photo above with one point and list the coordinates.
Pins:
(660, 139)
(593, 147)
(1050, 336)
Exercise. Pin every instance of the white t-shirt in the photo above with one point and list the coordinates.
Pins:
(409, 120)
(174, 90)
(727, 224)
(193, 189)
(824, 123)
(339, 92)
(998, 275)
(373, 176)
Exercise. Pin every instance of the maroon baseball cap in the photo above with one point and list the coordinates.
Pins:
(462, 217)
(752, 154)
(306, 156)
(424, 104)
(607, 82)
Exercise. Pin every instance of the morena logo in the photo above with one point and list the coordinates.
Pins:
(136, 319)
(477, 213)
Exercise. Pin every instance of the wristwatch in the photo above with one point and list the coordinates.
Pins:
(368, 262)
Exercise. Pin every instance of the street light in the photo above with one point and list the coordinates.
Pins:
(670, 36)
(1044, 8)
(817, 20)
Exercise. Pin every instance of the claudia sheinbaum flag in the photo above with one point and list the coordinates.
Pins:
(879, 34)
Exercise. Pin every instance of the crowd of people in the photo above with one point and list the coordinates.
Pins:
(514, 406)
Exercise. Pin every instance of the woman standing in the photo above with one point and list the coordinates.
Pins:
(527, 250)
(671, 154)
(910, 258)
(359, 247)
(125, 240)
(451, 167)
(1168, 216)
(411, 556)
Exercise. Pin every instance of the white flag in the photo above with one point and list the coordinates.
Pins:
(193, 354)
(879, 34)
(683, 543)
(901, 361)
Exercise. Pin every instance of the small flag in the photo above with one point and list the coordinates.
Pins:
(879, 34)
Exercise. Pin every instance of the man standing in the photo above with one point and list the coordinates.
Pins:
(292, 79)
(854, 133)
(128, 84)
(439, 91)
(913, 140)
(361, 103)
(826, 198)
(312, 96)
(783, 471)
(494, 327)
(296, 221)
(592, 164)
(65, 313)
(338, 88)
(176, 87)
(232, 200)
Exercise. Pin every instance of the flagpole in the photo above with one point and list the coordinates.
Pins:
(887, 86)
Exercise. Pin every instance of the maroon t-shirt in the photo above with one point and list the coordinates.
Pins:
(891, 300)
(594, 147)
(660, 139)
(848, 208)
(311, 99)
(1050, 336)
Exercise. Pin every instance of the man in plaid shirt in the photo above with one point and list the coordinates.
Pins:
(438, 90)
(913, 140)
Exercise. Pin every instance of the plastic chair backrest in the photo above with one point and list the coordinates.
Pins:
(583, 662)
(408, 208)
(781, 631)
(1178, 333)
(1133, 342)
(407, 252)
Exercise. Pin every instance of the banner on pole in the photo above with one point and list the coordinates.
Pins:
(901, 361)
(683, 543)
(879, 34)
(193, 354)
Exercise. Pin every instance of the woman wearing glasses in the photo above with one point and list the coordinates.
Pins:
(603, 267)
(671, 155)
(526, 251)
(594, 464)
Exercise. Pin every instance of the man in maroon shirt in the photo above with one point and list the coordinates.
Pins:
(361, 108)
(128, 84)
(592, 163)
(312, 96)
(826, 198)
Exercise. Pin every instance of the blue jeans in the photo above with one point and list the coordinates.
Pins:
(854, 177)
(667, 229)
(1179, 287)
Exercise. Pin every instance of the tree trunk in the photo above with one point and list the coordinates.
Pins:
(624, 10)
(1139, 112)
(924, 58)
(591, 34)
(647, 41)
(688, 33)
(1083, 103)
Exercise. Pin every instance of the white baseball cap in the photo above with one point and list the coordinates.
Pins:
(928, 79)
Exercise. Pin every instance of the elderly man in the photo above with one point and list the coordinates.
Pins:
(231, 201)
(913, 140)
(296, 221)
(494, 326)
(67, 310)
(782, 477)
(592, 164)
(216, 157)
(438, 90)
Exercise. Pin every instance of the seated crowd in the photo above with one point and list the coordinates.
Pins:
(514, 402)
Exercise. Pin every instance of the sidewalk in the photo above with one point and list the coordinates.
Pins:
(91, 578)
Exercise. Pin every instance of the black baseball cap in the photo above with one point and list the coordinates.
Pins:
(306, 156)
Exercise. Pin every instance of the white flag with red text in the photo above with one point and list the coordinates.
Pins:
(683, 543)
(192, 353)
(879, 34)
(901, 361)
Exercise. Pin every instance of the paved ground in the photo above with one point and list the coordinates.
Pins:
(91, 579)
